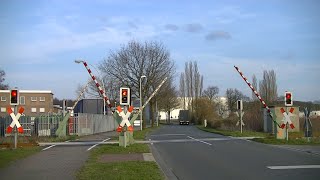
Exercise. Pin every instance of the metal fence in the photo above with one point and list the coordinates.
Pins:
(80, 124)
(25, 122)
(85, 124)
(47, 125)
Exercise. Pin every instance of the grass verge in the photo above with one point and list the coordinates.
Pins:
(233, 133)
(94, 169)
(291, 141)
(295, 138)
(9, 155)
(140, 135)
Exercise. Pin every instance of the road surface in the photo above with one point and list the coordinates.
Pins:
(189, 153)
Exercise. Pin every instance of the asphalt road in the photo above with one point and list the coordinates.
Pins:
(212, 156)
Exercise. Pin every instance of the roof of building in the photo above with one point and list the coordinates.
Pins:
(29, 91)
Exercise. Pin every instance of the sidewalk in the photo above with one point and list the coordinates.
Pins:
(59, 162)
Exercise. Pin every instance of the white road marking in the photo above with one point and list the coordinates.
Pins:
(97, 144)
(295, 167)
(169, 135)
(199, 140)
(48, 147)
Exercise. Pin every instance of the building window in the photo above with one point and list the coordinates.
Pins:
(3, 109)
(22, 100)
(42, 110)
(33, 98)
(34, 110)
(42, 98)
(3, 98)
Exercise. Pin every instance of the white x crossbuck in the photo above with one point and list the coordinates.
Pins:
(286, 118)
(15, 119)
(125, 118)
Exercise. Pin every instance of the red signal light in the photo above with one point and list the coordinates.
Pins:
(288, 99)
(14, 97)
(124, 92)
(288, 95)
(125, 96)
(13, 93)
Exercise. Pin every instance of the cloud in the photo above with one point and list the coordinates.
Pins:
(59, 39)
(132, 25)
(230, 14)
(194, 27)
(171, 27)
(216, 35)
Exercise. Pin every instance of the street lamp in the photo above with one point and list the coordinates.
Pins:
(141, 112)
(104, 103)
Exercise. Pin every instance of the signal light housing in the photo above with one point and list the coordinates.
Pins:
(14, 97)
(239, 105)
(125, 96)
(288, 99)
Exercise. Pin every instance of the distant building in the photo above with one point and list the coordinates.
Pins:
(34, 102)
(184, 102)
(90, 106)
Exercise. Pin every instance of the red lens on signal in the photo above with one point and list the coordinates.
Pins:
(124, 92)
(288, 96)
(13, 93)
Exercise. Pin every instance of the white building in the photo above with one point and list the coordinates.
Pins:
(185, 101)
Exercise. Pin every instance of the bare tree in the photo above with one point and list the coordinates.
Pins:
(268, 86)
(211, 92)
(127, 65)
(168, 100)
(232, 96)
(193, 83)
(255, 86)
(2, 79)
(183, 89)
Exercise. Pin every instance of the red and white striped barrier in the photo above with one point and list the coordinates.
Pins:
(286, 118)
(15, 120)
(125, 119)
(256, 93)
(101, 91)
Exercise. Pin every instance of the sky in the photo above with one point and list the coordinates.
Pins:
(40, 39)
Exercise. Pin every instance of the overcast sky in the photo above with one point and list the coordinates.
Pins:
(41, 39)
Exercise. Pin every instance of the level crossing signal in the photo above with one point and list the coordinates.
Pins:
(14, 97)
(239, 105)
(125, 96)
(288, 99)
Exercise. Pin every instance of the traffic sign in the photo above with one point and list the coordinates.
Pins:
(286, 118)
(307, 123)
(125, 119)
(15, 119)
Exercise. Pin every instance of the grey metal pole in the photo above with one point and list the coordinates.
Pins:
(15, 130)
(157, 115)
(287, 131)
(140, 107)
(125, 139)
(241, 121)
